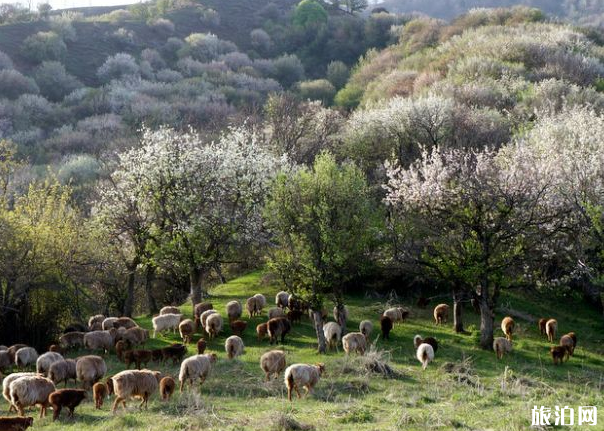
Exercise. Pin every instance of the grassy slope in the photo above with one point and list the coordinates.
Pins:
(493, 395)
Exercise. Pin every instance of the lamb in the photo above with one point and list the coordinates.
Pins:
(46, 360)
(6, 386)
(541, 324)
(109, 323)
(90, 369)
(278, 327)
(166, 387)
(501, 346)
(62, 371)
(335, 313)
(302, 376)
(186, 328)
(260, 301)
(233, 346)
(12, 351)
(138, 357)
(213, 325)
(354, 342)
(366, 327)
(5, 361)
(195, 367)
(234, 310)
(175, 351)
(204, 317)
(425, 354)
(272, 362)
(281, 299)
(16, 424)
(251, 305)
(550, 328)
(134, 383)
(120, 348)
(169, 310)
(100, 391)
(70, 398)
(441, 313)
(201, 307)
(418, 340)
(30, 391)
(238, 326)
(262, 331)
(386, 326)
(165, 321)
(25, 356)
(559, 353)
(135, 336)
(567, 342)
(201, 346)
(95, 320)
(507, 326)
(333, 334)
(100, 340)
(275, 312)
(72, 340)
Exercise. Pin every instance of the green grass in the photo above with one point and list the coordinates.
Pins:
(478, 393)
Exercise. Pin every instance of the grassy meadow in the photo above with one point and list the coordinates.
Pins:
(464, 388)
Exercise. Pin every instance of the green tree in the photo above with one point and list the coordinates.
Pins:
(309, 13)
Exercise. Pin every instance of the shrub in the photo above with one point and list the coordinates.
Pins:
(79, 169)
(236, 60)
(168, 75)
(33, 110)
(288, 70)
(118, 66)
(337, 74)
(261, 41)
(349, 97)
(13, 84)
(190, 67)
(44, 46)
(62, 24)
(163, 26)
(309, 13)
(205, 47)
(153, 57)
(117, 16)
(209, 16)
(54, 81)
(5, 62)
(123, 37)
(319, 89)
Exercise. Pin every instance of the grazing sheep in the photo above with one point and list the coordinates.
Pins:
(109, 323)
(251, 305)
(186, 328)
(294, 315)
(56, 349)
(204, 317)
(501, 346)
(100, 391)
(90, 369)
(275, 312)
(386, 326)
(294, 303)
(70, 398)
(6, 386)
(100, 340)
(135, 336)
(335, 313)
(213, 325)
(26, 356)
(568, 342)
(164, 322)
(573, 337)
(12, 351)
(46, 360)
(233, 346)
(262, 331)
(425, 354)
(278, 327)
(201, 307)
(62, 371)
(125, 322)
(157, 355)
(120, 347)
(166, 387)
(281, 299)
(559, 353)
(366, 327)
(395, 314)
(134, 384)
(418, 340)
(137, 357)
(441, 314)
(175, 352)
(234, 310)
(238, 326)
(16, 424)
(169, 310)
(507, 326)
(260, 301)
(5, 361)
(96, 327)
(94, 320)
(195, 367)
(333, 334)
(354, 342)
(542, 322)
(109, 384)
(30, 391)
(302, 376)
(201, 346)
(72, 340)
(551, 327)
(272, 362)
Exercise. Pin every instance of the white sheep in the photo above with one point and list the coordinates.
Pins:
(233, 346)
(90, 369)
(213, 325)
(100, 340)
(233, 310)
(281, 299)
(94, 320)
(62, 371)
(169, 309)
(551, 327)
(425, 354)
(109, 323)
(195, 367)
(302, 376)
(275, 312)
(260, 301)
(333, 334)
(272, 362)
(354, 342)
(501, 346)
(365, 328)
(164, 322)
(6, 387)
(134, 384)
(204, 317)
(30, 391)
(46, 360)
(26, 356)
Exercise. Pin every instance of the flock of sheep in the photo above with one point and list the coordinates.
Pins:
(25, 389)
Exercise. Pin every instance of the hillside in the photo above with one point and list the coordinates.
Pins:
(462, 381)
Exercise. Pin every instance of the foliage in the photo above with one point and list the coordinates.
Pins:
(13, 84)
(118, 66)
(318, 89)
(44, 46)
(54, 81)
(309, 13)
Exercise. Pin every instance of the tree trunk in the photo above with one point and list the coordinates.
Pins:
(318, 321)
(486, 322)
(218, 270)
(457, 312)
(341, 317)
(196, 281)
(129, 302)
(149, 277)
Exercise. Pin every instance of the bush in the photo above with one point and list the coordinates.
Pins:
(153, 57)
(62, 24)
(171, 48)
(209, 16)
(13, 84)
(5, 62)
(54, 81)
(119, 66)
(236, 60)
(205, 47)
(261, 41)
(163, 26)
(117, 16)
(123, 37)
(349, 97)
(33, 110)
(168, 75)
(79, 169)
(288, 70)
(309, 13)
(319, 89)
(44, 46)
(337, 74)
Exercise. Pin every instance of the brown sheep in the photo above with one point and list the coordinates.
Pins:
(567, 342)
(72, 340)
(100, 391)
(278, 327)
(273, 362)
(541, 324)
(125, 322)
(135, 336)
(167, 385)
(252, 306)
(137, 357)
(175, 352)
(558, 354)
(441, 313)
(201, 346)
(157, 355)
(201, 307)
(70, 398)
(12, 351)
(134, 384)
(56, 349)
(237, 327)
(90, 369)
(294, 315)
(386, 326)
(501, 346)
(507, 326)
(262, 331)
(573, 337)
(302, 375)
(120, 348)
(187, 328)
(15, 424)
(109, 383)
(29, 391)
(551, 327)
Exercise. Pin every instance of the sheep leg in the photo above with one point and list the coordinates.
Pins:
(297, 391)
(117, 401)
